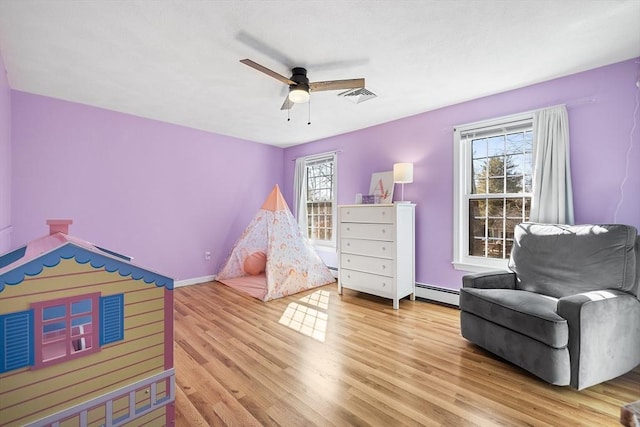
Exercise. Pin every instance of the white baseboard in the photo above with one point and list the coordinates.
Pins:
(194, 281)
(433, 293)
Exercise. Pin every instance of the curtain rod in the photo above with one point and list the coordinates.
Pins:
(573, 103)
(519, 116)
(326, 153)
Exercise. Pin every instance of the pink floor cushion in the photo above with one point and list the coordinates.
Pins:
(255, 263)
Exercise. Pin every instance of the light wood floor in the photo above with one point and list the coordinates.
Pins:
(318, 358)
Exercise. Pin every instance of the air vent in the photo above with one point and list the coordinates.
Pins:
(358, 95)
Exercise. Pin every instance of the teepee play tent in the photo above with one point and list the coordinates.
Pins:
(272, 258)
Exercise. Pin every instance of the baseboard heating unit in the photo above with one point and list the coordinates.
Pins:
(434, 293)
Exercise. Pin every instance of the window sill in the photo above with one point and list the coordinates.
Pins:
(480, 268)
(324, 248)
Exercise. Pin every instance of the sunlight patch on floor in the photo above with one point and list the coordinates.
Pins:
(307, 320)
(318, 299)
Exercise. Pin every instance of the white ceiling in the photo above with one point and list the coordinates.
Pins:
(178, 61)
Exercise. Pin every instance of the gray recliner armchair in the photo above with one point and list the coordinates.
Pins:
(568, 311)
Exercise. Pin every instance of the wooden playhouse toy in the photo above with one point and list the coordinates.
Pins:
(86, 337)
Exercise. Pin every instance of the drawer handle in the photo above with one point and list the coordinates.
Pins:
(348, 228)
(384, 266)
(348, 244)
(384, 284)
(383, 213)
(384, 230)
(384, 248)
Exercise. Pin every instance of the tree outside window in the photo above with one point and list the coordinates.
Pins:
(320, 196)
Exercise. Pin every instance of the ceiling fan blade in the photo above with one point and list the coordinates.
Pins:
(287, 104)
(267, 71)
(336, 85)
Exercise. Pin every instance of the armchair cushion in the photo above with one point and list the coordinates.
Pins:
(562, 260)
(530, 314)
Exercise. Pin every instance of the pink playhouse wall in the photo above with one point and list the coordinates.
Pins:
(165, 194)
(600, 140)
(5, 160)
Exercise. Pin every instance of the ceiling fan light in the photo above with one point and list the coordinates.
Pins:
(299, 94)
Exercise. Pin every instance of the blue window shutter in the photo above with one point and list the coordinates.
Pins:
(16, 340)
(111, 319)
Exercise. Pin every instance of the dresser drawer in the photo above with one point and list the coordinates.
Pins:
(376, 214)
(367, 264)
(377, 248)
(366, 282)
(366, 231)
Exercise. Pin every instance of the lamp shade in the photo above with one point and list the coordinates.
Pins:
(299, 94)
(403, 172)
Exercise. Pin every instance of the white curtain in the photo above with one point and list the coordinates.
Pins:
(552, 200)
(300, 193)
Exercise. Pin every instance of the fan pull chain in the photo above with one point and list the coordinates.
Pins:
(309, 121)
(288, 114)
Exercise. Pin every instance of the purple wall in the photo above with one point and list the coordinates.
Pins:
(600, 139)
(161, 193)
(165, 194)
(5, 160)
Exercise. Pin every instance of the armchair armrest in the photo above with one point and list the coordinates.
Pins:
(604, 335)
(490, 280)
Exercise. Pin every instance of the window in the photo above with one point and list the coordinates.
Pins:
(493, 184)
(320, 198)
(65, 328)
(58, 330)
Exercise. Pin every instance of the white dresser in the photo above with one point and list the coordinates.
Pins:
(376, 250)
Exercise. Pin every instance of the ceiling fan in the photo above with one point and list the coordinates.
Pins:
(299, 85)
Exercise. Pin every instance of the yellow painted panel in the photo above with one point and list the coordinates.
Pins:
(110, 358)
(155, 418)
(97, 416)
(143, 398)
(70, 382)
(156, 330)
(131, 310)
(68, 279)
(84, 391)
(153, 317)
(71, 422)
(127, 287)
(146, 293)
(161, 389)
(120, 407)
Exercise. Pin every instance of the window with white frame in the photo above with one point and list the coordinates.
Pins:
(320, 199)
(493, 188)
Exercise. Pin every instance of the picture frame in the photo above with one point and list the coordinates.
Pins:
(382, 186)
